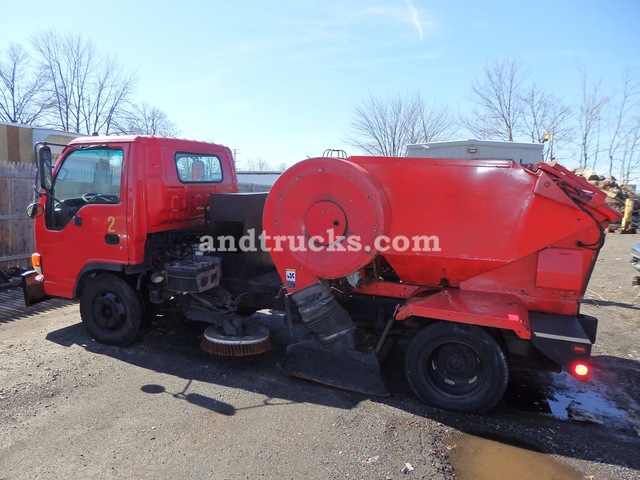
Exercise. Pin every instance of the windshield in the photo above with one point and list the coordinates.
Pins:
(97, 172)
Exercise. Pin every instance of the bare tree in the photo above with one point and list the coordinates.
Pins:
(88, 90)
(630, 158)
(106, 100)
(21, 88)
(560, 128)
(145, 120)
(385, 125)
(430, 122)
(380, 124)
(66, 61)
(543, 115)
(536, 111)
(624, 118)
(258, 165)
(592, 103)
(498, 101)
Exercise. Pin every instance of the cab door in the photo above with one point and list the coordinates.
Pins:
(85, 218)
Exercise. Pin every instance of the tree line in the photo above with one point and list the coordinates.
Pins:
(62, 81)
(601, 131)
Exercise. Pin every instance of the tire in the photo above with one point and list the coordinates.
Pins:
(455, 366)
(111, 310)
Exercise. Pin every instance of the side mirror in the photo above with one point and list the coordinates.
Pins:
(43, 154)
(35, 210)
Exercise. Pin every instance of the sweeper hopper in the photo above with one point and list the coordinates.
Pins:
(453, 252)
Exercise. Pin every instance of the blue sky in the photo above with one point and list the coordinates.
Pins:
(278, 80)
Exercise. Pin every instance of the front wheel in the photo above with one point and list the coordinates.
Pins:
(457, 367)
(111, 310)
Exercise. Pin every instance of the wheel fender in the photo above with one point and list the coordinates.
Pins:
(486, 309)
(91, 269)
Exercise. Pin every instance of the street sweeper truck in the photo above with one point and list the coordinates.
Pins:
(479, 263)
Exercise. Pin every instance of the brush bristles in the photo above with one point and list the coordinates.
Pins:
(255, 340)
(239, 349)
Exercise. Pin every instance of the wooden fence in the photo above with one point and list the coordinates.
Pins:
(16, 229)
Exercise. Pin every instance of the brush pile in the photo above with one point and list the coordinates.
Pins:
(616, 193)
(10, 277)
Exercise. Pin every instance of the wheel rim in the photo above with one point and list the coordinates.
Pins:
(109, 311)
(454, 368)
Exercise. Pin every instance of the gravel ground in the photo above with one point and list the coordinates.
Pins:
(162, 408)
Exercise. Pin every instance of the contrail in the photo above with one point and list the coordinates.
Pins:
(414, 17)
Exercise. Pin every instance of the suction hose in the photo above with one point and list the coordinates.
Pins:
(325, 317)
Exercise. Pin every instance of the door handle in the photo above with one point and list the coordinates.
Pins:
(112, 239)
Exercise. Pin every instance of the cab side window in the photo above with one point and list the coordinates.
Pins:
(198, 168)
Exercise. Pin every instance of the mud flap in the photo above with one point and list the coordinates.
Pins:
(346, 369)
(33, 288)
(564, 339)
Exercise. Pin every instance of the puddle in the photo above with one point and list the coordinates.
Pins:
(584, 402)
(527, 395)
(476, 458)
(565, 398)
(557, 395)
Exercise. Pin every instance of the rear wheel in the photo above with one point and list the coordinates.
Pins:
(457, 367)
(111, 310)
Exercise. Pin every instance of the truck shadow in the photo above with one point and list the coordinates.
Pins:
(524, 418)
(12, 306)
(173, 347)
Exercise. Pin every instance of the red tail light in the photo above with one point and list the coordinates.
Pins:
(581, 370)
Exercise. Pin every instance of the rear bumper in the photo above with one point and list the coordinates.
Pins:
(565, 339)
(33, 288)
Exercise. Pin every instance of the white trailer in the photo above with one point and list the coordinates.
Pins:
(523, 153)
(256, 181)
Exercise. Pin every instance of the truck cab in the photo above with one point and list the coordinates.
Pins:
(108, 195)
(115, 214)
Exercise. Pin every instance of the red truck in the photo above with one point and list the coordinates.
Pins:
(480, 263)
